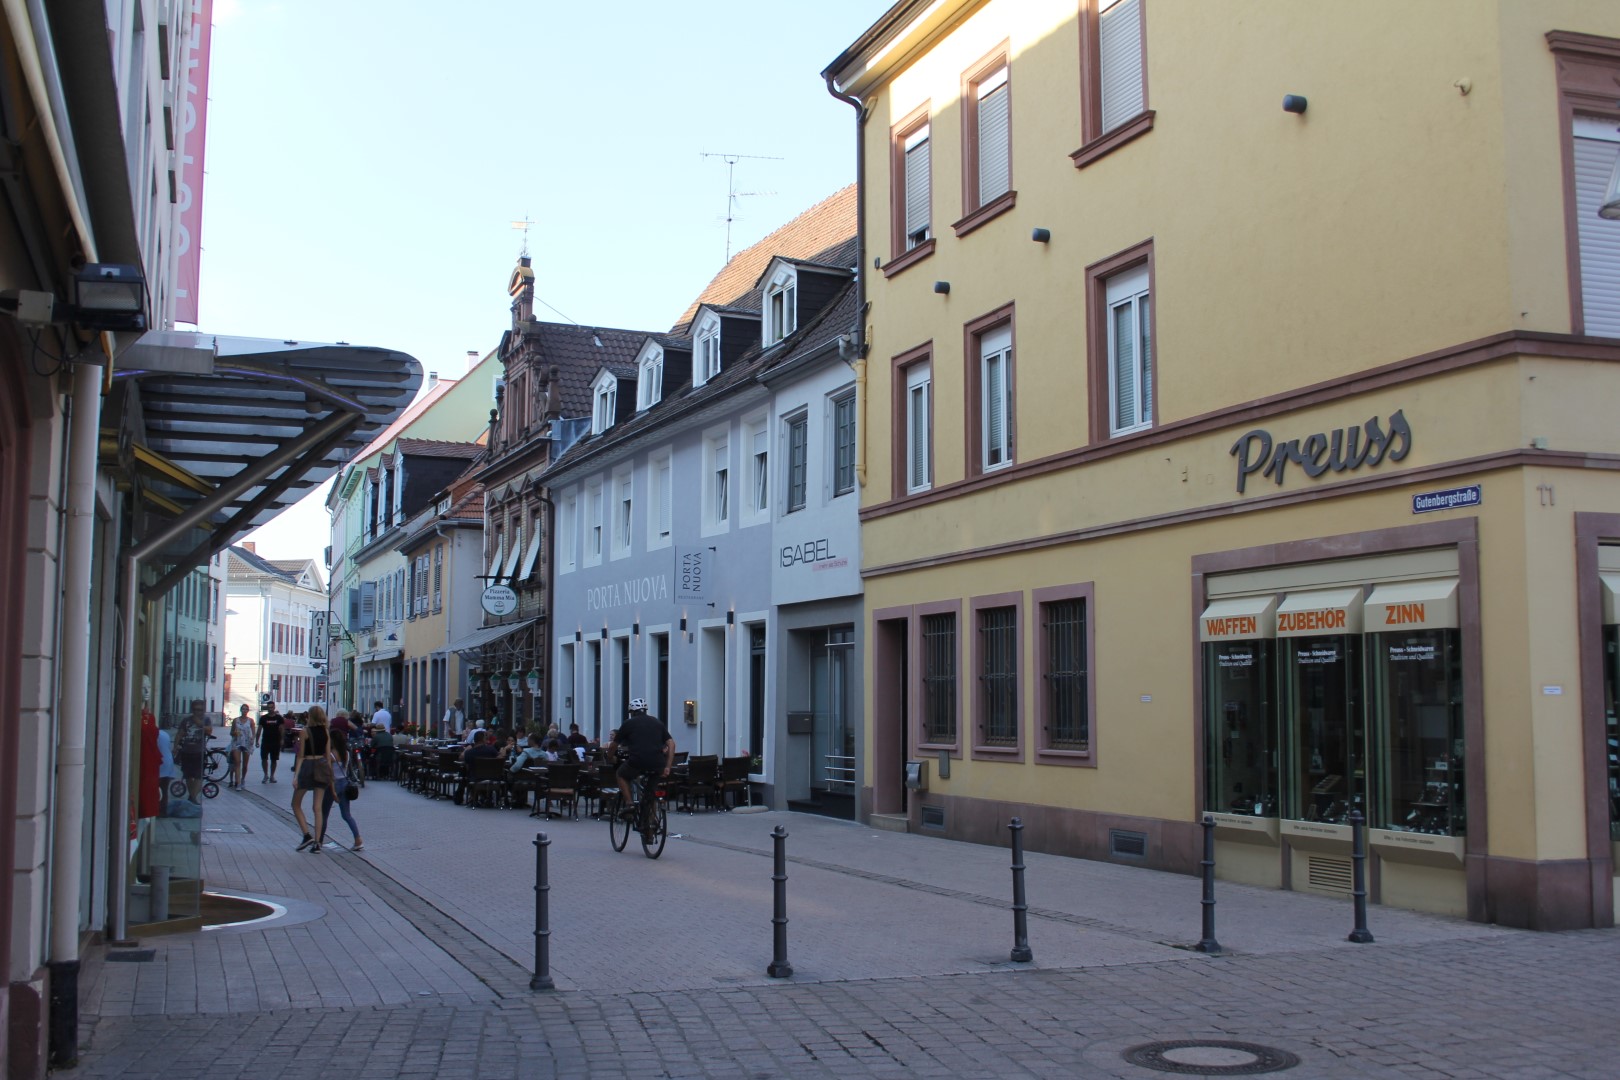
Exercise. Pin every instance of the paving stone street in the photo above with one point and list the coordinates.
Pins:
(413, 959)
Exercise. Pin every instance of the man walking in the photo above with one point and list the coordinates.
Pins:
(381, 715)
(272, 725)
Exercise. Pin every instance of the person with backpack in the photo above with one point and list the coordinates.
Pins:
(272, 728)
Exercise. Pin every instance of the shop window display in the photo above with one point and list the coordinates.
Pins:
(1611, 708)
(1416, 691)
(1241, 758)
(1322, 704)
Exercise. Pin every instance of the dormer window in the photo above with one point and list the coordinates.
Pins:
(605, 394)
(650, 379)
(781, 308)
(706, 350)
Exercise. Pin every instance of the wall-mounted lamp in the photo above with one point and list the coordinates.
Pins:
(579, 635)
(635, 628)
(1041, 236)
(942, 287)
(1294, 103)
(604, 633)
(877, 262)
(731, 618)
(109, 296)
(683, 624)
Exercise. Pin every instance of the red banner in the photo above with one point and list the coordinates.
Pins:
(193, 132)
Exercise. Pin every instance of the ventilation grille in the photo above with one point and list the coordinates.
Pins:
(933, 817)
(1124, 844)
(1327, 872)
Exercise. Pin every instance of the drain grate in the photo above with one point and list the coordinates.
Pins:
(1210, 1057)
(131, 956)
(229, 828)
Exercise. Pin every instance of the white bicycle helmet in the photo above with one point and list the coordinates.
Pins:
(638, 704)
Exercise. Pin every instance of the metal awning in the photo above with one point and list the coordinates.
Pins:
(479, 638)
(258, 421)
(378, 657)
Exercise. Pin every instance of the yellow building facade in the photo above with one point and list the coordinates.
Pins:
(1239, 438)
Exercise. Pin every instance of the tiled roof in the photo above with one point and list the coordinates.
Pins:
(262, 565)
(824, 233)
(439, 448)
(579, 352)
(469, 508)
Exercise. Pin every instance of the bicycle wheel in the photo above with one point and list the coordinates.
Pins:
(210, 788)
(655, 828)
(618, 826)
(219, 763)
(177, 788)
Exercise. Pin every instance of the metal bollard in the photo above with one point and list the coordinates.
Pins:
(542, 917)
(1020, 949)
(160, 893)
(1358, 859)
(1208, 944)
(780, 968)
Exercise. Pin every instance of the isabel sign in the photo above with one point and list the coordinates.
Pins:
(500, 600)
(1340, 450)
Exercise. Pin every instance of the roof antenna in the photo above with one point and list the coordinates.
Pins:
(732, 194)
(524, 225)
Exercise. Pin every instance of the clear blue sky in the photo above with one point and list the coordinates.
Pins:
(365, 160)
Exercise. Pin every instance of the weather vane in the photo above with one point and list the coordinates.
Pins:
(524, 225)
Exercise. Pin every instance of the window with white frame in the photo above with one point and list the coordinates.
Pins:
(781, 306)
(918, 427)
(1597, 160)
(843, 440)
(661, 499)
(989, 116)
(606, 399)
(593, 523)
(650, 378)
(623, 490)
(717, 483)
(798, 461)
(995, 398)
(759, 470)
(1130, 351)
(918, 209)
(568, 532)
(706, 350)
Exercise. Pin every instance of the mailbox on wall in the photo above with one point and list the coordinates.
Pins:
(801, 723)
(917, 775)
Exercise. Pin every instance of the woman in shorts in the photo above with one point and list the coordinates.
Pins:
(241, 746)
(343, 771)
(313, 769)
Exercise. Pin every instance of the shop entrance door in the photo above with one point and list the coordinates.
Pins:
(832, 740)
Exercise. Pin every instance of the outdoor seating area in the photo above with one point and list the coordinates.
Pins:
(566, 790)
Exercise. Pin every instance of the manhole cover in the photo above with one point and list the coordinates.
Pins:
(230, 828)
(1210, 1057)
(131, 956)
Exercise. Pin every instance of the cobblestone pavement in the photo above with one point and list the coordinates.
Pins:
(413, 960)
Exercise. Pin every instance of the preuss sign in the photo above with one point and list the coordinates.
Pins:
(1341, 450)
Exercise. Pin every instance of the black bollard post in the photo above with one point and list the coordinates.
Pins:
(542, 917)
(1208, 944)
(1020, 949)
(1358, 858)
(780, 968)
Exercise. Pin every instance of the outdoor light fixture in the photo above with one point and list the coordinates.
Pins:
(604, 633)
(533, 681)
(513, 681)
(635, 628)
(942, 287)
(1294, 103)
(1041, 236)
(731, 618)
(109, 296)
(683, 624)
(579, 635)
(1609, 209)
(494, 681)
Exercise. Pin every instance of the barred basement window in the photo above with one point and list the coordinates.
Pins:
(998, 679)
(939, 678)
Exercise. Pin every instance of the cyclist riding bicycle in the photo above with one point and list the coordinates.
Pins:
(645, 746)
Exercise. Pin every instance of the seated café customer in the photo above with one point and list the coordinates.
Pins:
(575, 739)
(530, 755)
(481, 748)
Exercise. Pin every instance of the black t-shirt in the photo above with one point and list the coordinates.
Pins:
(193, 734)
(642, 739)
(271, 726)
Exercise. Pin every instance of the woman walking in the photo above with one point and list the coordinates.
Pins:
(343, 767)
(241, 746)
(313, 770)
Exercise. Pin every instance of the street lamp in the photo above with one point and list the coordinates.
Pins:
(513, 681)
(533, 681)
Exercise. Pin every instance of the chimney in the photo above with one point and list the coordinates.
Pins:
(472, 359)
(433, 379)
(249, 546)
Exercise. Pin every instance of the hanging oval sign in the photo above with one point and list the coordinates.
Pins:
(500, 600)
